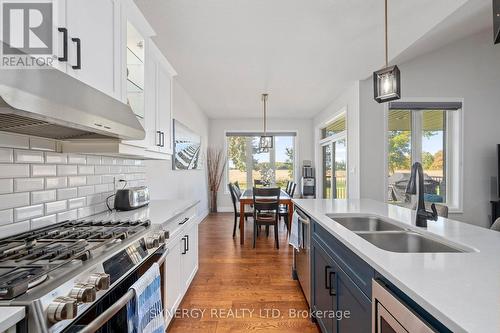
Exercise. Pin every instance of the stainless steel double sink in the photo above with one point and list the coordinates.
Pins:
(391, 237)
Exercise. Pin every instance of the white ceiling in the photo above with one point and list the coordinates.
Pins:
(302, 52)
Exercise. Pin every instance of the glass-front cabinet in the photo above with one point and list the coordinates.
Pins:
(135, 70)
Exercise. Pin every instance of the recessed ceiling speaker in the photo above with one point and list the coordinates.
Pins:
(496, 20)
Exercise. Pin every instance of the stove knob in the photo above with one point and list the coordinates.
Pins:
(83, 293)
(101, 281)
(62, 308)
(152, 242)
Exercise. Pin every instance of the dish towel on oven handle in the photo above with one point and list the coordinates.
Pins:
(145, 311)
(295, 237)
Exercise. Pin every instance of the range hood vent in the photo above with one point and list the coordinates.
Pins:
(49, 103)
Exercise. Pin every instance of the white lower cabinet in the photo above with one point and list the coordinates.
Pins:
(181, 266)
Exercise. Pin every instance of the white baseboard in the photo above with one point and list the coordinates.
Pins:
(202, 216)
(225, 209)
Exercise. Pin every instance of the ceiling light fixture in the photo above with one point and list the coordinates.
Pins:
(387, 81)
(266, 141)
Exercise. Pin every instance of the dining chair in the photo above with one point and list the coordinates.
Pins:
(266, 211)
(283, 213)
(287, 189)
(235, 198)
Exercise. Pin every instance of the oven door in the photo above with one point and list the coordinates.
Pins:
(109, 313)
(391, 315)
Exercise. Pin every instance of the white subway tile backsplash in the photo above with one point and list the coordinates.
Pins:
(6, 155)
(76, 159)
(14, 170)
(39, 186)
(43, 221)
(42, 144)
(41, 170)
(107, 179)
(67, 193)
(85, 190)
(93, 160)
(43, 196)
(6, 216)
(28, 184)
(67, 170)
(29, 212)
(67, 216)
(14, 228)
(93, 199)
(77, 203)
(93, 180)
(85, 211)
(6, 186)
(14, 200)
(101, 188)
(56, 158)
(77, 181)
(85, 169)
(28, 156)
(56, 182)
(101, 169)
(56, 206)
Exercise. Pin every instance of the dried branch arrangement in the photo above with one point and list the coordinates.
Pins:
(216, 164)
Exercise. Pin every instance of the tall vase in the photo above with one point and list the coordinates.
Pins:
(213, 201)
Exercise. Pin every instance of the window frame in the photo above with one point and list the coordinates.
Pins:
(453, 153)
(330, 140)
(272, 133)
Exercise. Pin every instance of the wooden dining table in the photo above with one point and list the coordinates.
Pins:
(247, 199)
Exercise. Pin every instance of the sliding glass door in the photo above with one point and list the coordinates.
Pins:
(335, 169)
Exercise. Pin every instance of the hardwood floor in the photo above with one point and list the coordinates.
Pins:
(241, 289)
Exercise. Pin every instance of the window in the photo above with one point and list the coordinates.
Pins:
(247, 165)
(334, 159)
(422, 132)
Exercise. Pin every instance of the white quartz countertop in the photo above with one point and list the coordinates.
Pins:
(158, 211)
(10, 316)
(462, 290)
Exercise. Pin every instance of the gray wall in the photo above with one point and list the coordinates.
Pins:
(468, 69)
(303, 127)
(165, 183)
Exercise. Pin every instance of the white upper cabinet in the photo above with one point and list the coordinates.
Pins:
(161, 98)
(93, 27)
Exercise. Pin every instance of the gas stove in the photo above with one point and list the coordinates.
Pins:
(59, 271)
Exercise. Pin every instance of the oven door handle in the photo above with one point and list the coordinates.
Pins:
(104, 317)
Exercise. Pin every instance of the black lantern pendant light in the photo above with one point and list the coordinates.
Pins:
(266, 141)
(387, 81)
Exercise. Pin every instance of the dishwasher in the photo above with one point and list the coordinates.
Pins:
(301, 269)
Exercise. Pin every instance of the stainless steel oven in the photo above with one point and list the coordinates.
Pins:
(301, 258)
(391, 315)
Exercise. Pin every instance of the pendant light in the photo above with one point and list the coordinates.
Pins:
(266, 141)
(387, 81)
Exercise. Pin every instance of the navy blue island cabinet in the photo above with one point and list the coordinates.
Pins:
(341, 288)
(339, 305)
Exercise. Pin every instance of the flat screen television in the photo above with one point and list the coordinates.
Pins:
(496, 20)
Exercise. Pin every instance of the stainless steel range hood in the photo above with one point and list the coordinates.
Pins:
(51, 104)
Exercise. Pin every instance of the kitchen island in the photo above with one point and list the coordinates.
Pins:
(461, 290)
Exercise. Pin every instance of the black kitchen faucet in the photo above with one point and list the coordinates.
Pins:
(418, 188)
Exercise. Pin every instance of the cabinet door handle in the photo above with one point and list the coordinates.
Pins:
(78, 53)
(327, 279)
(184, 221)
(187, 241)
(162, 137)
(65, 44)
(332, 289)
(159, 139)
(184, 241)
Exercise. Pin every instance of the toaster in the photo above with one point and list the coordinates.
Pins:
(131, 198)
